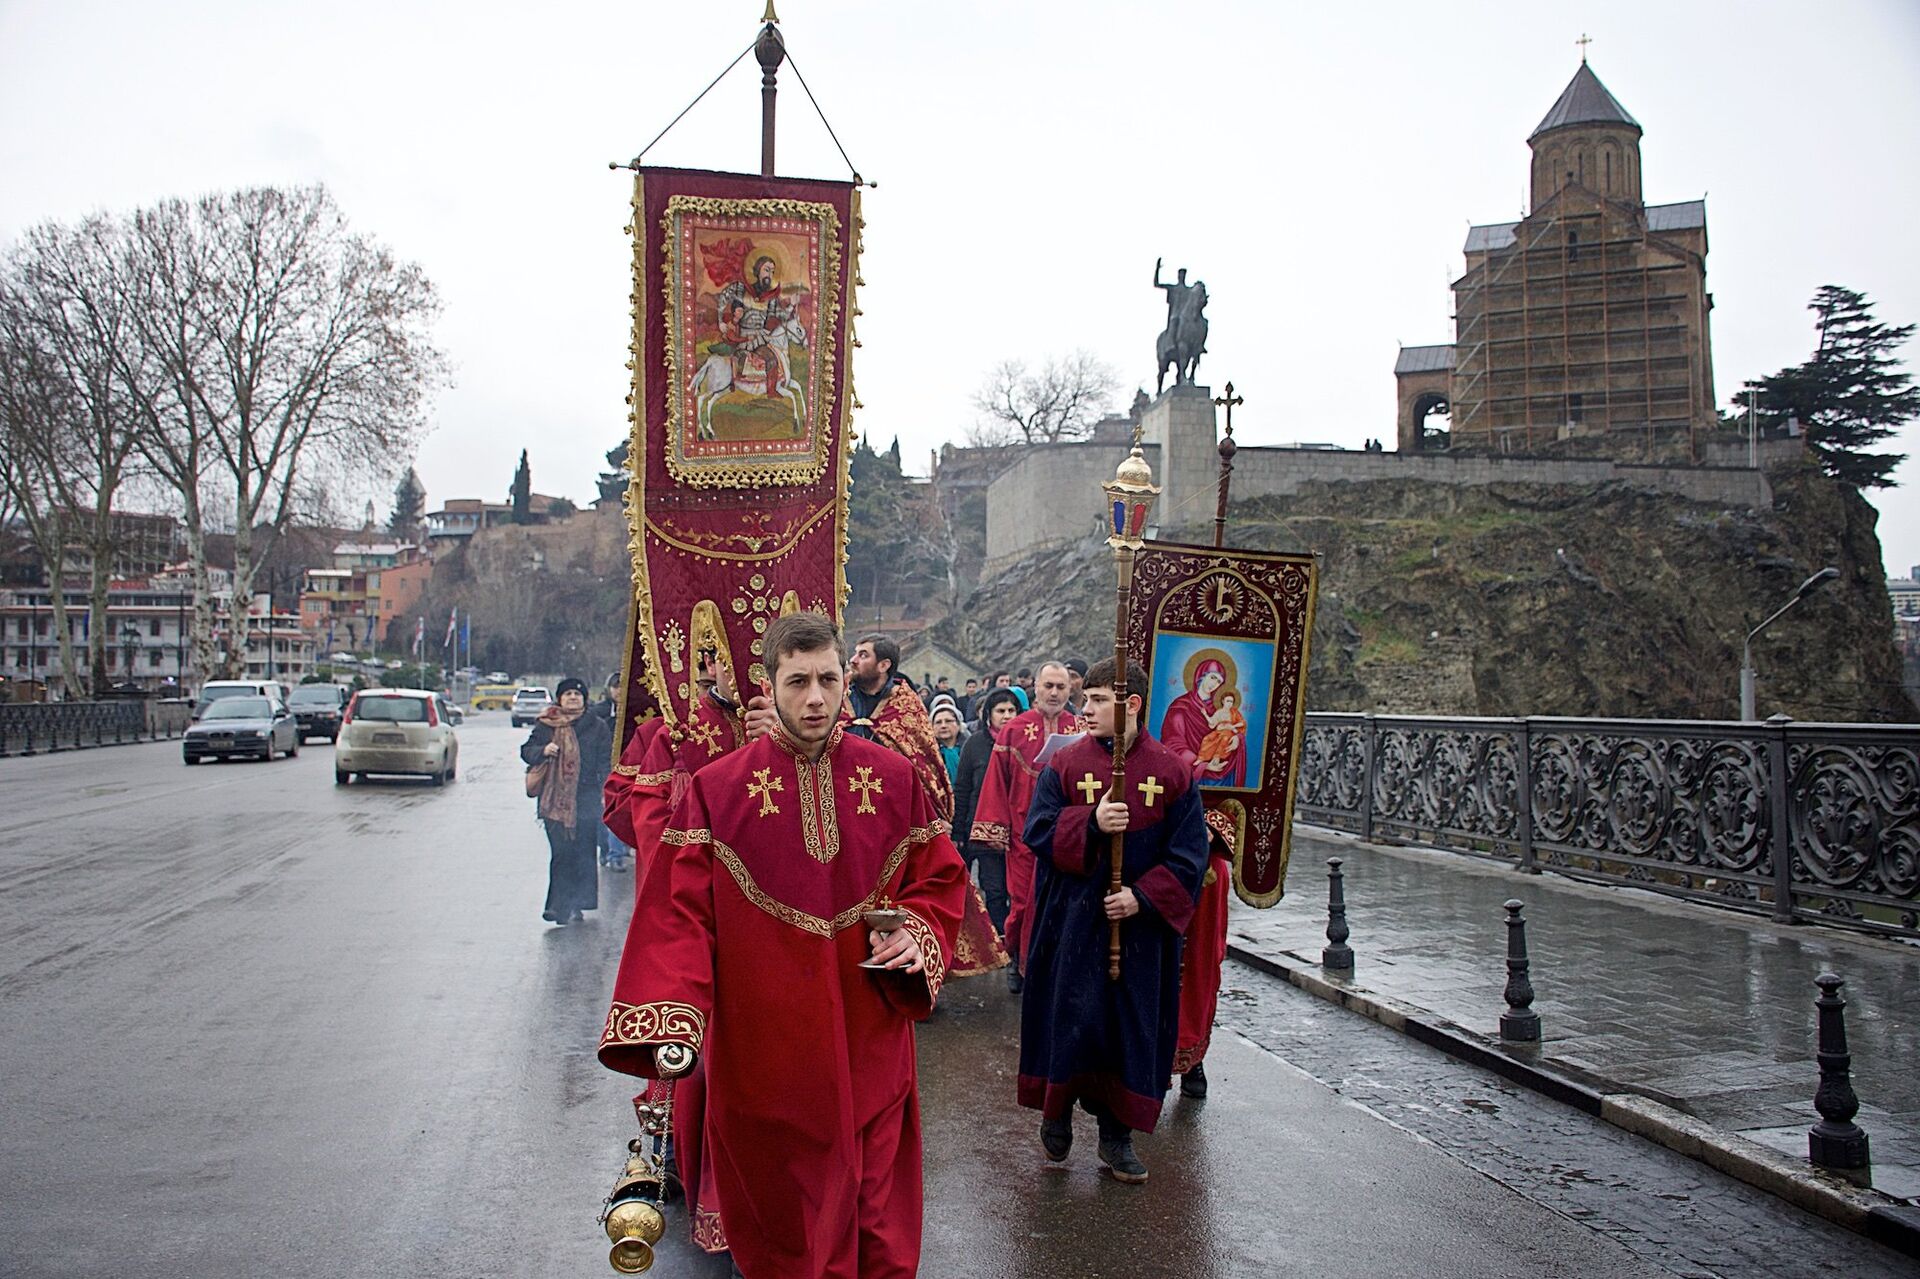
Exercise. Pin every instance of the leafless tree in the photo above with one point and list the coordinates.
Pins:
(38, 457)
(1060, 401)
(282, 355)
(63, 297)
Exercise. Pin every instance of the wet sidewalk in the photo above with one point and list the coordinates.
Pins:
(1710, 1012)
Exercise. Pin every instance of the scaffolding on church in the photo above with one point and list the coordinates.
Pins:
(1575, 326)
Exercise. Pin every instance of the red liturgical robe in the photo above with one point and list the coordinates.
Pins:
(1001, 816)
(746, 948)
(901, 724)
(1206, 950)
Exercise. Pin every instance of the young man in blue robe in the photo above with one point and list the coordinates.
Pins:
(1107, 1045)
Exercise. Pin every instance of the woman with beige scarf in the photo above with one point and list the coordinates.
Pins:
(576, 751)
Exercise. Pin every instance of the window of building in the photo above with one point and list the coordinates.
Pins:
(23, 628)
(1576, 406)
(1606, 170)
(153, 658)
(1573, 246)
(153, 627)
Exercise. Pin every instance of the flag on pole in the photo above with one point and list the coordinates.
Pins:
(453, 619)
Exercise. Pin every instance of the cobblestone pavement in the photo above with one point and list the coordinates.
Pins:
(1708, 1011)
(1668, 1210)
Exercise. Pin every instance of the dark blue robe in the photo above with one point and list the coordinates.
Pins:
(1083, 1037)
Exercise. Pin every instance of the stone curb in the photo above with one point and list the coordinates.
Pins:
(1878, 1217)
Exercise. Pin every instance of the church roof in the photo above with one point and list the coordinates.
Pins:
(1495, 235)
(1423, 359)
(1685, 216)
(1585, 101)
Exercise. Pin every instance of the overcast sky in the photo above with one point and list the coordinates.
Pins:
(1317, 165)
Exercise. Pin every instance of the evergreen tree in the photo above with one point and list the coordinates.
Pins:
(1851, 395)
(409, 506)
(521, 495)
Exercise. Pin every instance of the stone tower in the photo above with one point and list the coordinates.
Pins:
(1582, 328)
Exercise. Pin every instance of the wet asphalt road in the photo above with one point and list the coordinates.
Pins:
(252, 1023)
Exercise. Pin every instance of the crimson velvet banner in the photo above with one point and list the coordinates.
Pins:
(1224, 636)
(743, 293)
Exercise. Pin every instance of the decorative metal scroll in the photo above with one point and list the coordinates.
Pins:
(1800, 821)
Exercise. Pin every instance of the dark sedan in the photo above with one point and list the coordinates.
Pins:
(248, 727)
(318, 707)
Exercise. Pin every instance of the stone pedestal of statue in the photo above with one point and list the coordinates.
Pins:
(1181, 421)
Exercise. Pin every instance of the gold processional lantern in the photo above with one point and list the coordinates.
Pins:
(1130, 495)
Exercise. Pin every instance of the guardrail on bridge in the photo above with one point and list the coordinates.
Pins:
(1816, 822)
(30, 728)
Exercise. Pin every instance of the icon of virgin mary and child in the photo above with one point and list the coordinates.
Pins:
(1207, 724)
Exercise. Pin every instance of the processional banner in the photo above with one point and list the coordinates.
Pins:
(1224, 637)
(741, 395)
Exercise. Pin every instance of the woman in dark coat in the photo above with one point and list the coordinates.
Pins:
(578, 751)
(996, 708)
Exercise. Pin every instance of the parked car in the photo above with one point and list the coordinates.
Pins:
(253, 727)
(216, 689)
(396, 730)
(528, 703)
(450, 711)
(318, 708)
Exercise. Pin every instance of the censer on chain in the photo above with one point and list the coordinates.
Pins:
(632, 1215)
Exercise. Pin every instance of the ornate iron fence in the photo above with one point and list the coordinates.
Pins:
(1799, 821)
(30, 728)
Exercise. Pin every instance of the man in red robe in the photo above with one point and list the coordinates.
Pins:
(747, 951)
(883, 708)
(656, 762)
(1000, 818)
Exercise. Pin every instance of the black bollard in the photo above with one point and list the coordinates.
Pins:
(1337, 954)
(1836, 1142)
(1519, 1022)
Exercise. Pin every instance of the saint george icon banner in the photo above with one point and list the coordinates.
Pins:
(743, 306)
(1224, 636)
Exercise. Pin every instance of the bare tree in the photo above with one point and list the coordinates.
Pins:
(1061, 401)
(284, 355)
(38, 457)
(64, 298)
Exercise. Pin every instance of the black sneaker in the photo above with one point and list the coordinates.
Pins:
(1121, 1162)
(1014, 982)
(1056, 1137)
(1194, 1082)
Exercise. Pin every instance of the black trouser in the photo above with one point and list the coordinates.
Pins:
(1111, 1129)
(993, 882)
(573, 879)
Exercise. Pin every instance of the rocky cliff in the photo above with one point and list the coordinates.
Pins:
(1528, 600)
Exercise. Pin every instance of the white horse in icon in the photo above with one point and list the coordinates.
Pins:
(716, 377)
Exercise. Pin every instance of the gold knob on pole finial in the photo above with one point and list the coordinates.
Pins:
(769, 15)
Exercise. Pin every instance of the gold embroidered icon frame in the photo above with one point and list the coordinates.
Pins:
(749, 406)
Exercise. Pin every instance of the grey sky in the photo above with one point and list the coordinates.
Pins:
(1317, 165)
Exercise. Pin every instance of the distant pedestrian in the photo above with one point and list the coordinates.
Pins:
(997, 706)
(577, 750)
(946, 731)
(614, 853)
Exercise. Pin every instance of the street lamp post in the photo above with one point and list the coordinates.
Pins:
(1807, 587)
(129, 646)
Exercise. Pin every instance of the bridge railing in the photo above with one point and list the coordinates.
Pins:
(32, 728)
(1797, 821)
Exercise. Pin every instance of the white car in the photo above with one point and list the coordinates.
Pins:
(396, 730)
(215, 689)
(528, 703)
